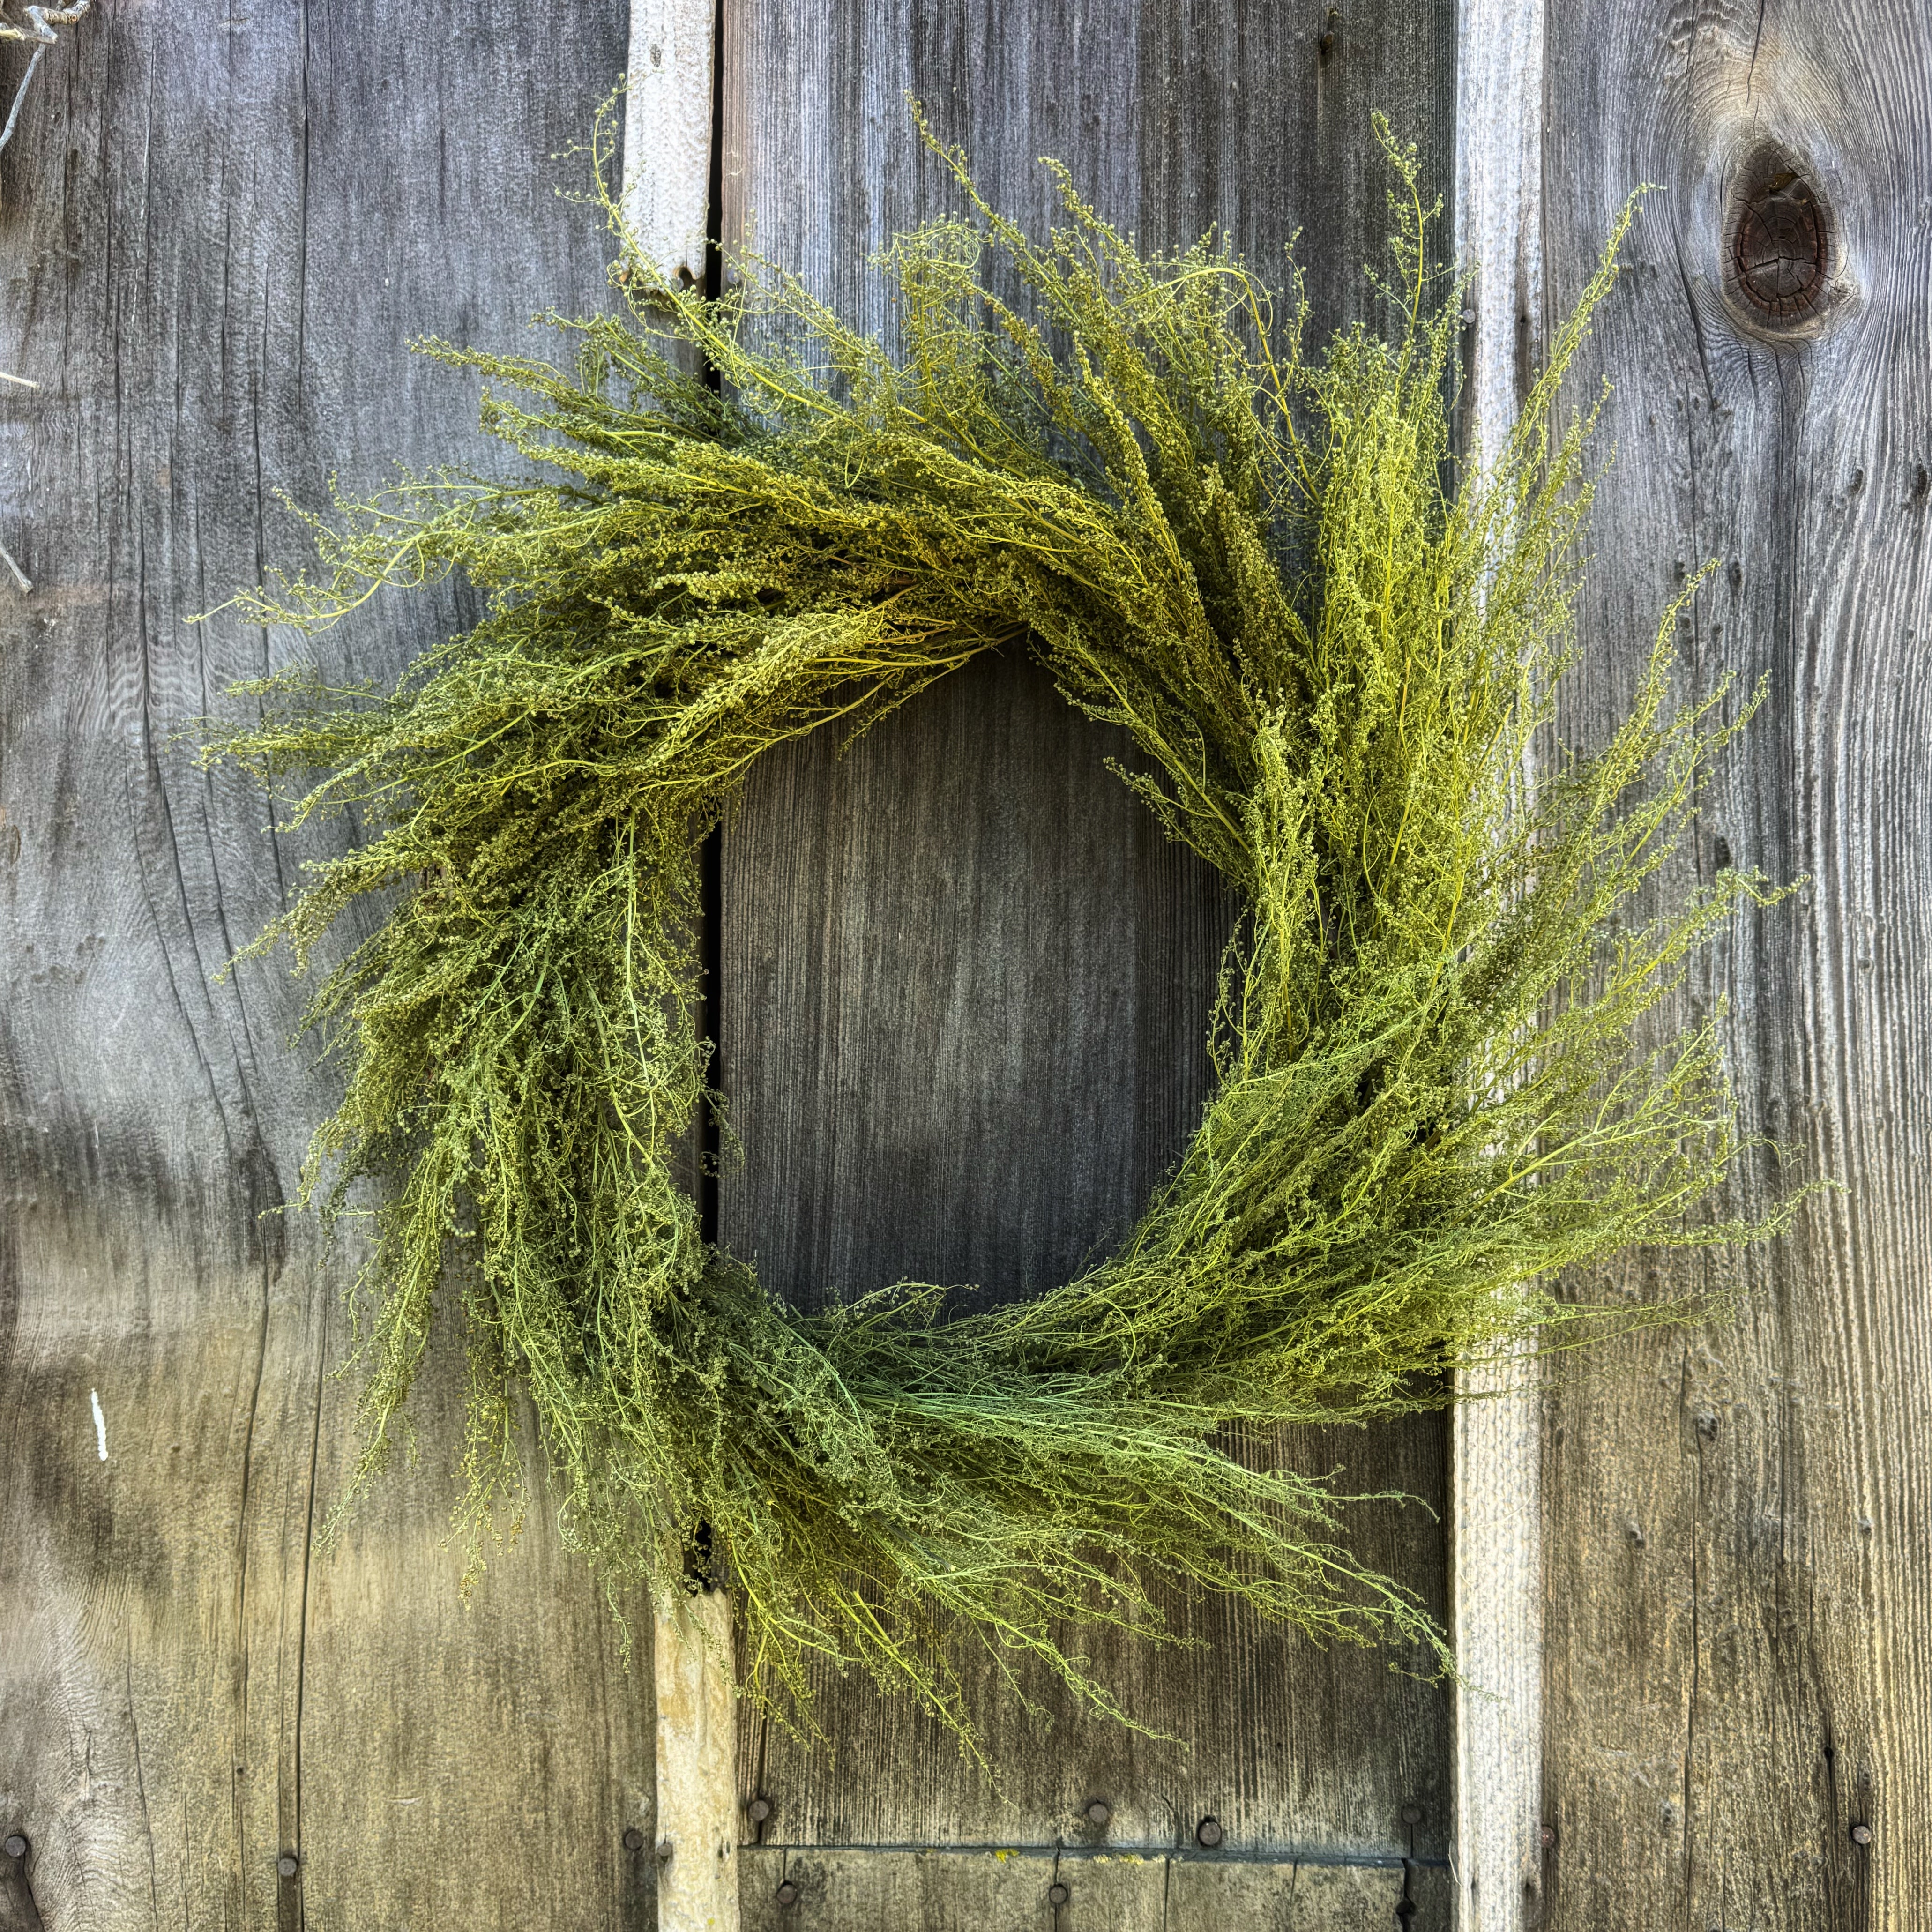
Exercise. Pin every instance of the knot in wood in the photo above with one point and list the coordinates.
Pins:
(1780, 249)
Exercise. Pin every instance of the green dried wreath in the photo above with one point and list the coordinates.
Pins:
(1256, 563)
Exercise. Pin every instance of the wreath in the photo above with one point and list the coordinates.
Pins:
(1336, 648)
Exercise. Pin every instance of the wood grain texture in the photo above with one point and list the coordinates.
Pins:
(1495, 1442)
(697, 1820)
(965, 982)
(1738, 1520)
(222, 226)
(996, 1889)
(669, 75)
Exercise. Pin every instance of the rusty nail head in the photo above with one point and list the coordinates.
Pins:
(1861, 1835)
(1411, 1814)
(1057, 1894)
(634, 1840)
(1549, 1836)
(787, 1893)
(1208, 1833)
(665, 1848)
(759, 1810)
(1098, 1812)
(288, 1865)
(16, 1845)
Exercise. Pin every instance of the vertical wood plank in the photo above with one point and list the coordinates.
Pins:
(670, 91)
(667, 115)
(965, 983)
(1738, 1600)
(223, 226)
(1496, 1549)
(697, 1783)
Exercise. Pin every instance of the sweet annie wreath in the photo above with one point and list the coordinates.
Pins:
(1335, 647)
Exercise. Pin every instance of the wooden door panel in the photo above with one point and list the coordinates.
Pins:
(965, 983)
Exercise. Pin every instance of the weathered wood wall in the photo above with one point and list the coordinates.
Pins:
(220, 227)
(962, 996)
(966, 982)
(1737, 1521)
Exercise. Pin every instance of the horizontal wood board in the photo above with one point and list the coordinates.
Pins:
(964, 982)
(1738, 1520)
(993, 1888)
(222, 226)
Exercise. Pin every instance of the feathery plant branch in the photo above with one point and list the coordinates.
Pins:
(1334, 647)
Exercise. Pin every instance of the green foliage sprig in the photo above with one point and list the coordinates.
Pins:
(1336, 648)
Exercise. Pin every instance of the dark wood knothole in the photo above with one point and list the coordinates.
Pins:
(1781, 244)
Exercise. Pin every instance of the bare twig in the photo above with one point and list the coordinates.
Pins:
(41, 22)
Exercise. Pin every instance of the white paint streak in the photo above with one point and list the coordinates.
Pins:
(1497, 1616)
(667, 132)
(697, 1781)
(100, 1423)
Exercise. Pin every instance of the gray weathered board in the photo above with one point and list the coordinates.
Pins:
(964, 988)
(220, 226)
(1738, 1521)
(966, 982)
